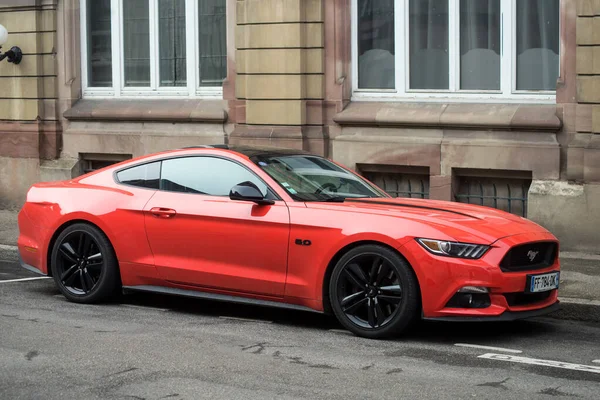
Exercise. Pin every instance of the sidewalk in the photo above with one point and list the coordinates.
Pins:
(580, 276)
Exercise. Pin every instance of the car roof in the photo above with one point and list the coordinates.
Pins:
(253, 151)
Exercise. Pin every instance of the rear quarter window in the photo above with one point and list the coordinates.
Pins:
(144, 176)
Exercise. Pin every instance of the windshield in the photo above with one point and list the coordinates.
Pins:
(311, 178)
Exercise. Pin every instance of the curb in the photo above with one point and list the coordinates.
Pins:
(570, 308)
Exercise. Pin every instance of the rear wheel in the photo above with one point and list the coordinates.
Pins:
(373, 292)
(84, 265)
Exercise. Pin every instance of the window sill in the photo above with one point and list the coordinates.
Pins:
(530, 117)
(446, 97)
(197, 110)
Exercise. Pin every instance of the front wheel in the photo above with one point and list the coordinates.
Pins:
(373, 292)
(84, 265)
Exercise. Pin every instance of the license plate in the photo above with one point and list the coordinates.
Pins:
(543, 283)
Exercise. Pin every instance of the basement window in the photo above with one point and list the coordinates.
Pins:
(93, 161)
(398, 181)
(507, 191)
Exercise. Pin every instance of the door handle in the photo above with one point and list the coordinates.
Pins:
(162, 212)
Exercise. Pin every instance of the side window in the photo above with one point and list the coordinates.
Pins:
(145, 176)
(206, 175)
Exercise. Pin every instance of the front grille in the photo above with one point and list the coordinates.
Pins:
(529, 257)
(525, 299)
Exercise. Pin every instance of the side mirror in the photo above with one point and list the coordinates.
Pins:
(248, 191)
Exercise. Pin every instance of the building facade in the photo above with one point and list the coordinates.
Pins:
(493, 102)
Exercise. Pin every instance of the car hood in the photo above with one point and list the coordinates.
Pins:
(460, 221)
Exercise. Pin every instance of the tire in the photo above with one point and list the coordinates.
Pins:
(87, 274)
(387, 293)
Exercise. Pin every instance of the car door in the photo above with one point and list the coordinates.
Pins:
(199, 237)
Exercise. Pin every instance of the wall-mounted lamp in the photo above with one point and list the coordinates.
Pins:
(14, 55)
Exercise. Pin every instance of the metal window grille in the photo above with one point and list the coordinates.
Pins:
(502, 193)
(401, 185)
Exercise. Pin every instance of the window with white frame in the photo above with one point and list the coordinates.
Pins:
(463, 49)
(137, 48)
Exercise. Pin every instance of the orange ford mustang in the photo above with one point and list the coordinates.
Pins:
(285, 228)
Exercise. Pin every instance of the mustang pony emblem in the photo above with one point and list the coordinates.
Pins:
(532, 255)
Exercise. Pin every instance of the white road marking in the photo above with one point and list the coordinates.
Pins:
(570, 300)
(544, 363)
(477, 346)
(596, 361)
(145, 307)
(246, 319)
(26, 279)
(342, 331)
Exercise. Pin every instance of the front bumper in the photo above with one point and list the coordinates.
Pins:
(504, 317)
(440, 278)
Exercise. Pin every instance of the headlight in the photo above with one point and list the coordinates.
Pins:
(454, 249)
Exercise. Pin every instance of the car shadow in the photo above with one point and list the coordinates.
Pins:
(429, 331)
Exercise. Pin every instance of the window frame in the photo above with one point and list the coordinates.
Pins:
(127, 168)
(118, 89)
(275, 196)
(508, 65)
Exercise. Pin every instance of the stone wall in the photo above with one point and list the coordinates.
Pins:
(587, 146)
(289, 85)
(570, 207)
(28, 122)
(279, 73)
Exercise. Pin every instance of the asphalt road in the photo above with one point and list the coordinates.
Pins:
(160, 347)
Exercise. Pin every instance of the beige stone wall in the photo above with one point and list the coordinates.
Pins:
(28, 121)
(569, 207)
(279, 59)
(570, 211)
(27, 86)
(279, 70)
(585, 148)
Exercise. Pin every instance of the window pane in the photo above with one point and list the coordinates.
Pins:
(172, 42)
(480, 44)
(212, 42)
(538, 39)
(136, 42)
(99, 43)
(145, 176)
(205, 175)
(428, 35)
(376, 63)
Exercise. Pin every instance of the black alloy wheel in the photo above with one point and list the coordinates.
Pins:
(83, 264)
(373, 292)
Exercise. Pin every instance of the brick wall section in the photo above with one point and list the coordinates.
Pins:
(29, 92)
(588, 88)
(280, 66)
